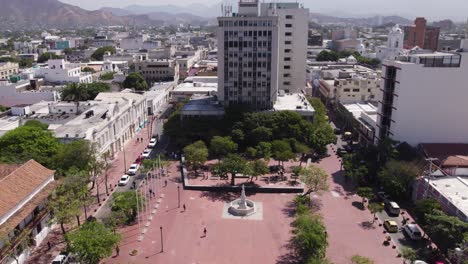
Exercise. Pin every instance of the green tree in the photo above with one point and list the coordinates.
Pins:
(263, 150)
(258, 168)
(93, 89)
(356, 259)
(196, 154)
(397, 177)
(408, 254)
(35, 123)
(425, 207)
(315, 178)
(322, 133)
(365, 193)
(375, 208)
(232, 164)
(88, 69)
(29, 142)
(446, 231)
(99, 53)
(25, 63)
(107, 76)
(221, 146)
(309, 237)
(76, 154)
(48, 56)
(281, 151)
(135, 81)
(125, 203)
(327, 56)
(92, 242)
(251, 152)
(75, 92)
(67, 51)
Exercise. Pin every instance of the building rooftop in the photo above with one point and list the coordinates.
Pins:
(294, 102)
(202, 105)
(454, 189)
(18, 182)
(200, 87)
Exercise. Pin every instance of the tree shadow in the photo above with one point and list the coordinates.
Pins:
(219, 196)
(290, 209)
(367, 225)
(289, 257)
(358, 205)
(340, 178)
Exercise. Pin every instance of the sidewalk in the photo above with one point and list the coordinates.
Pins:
(41, 254)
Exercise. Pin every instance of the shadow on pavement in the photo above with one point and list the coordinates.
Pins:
(219, 196)
(367, 225)
(358, 205)
(290, 257)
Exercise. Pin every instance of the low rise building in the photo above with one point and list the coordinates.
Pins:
(294, 102)
(24, 191)
(361, 118)
(158, 70)
(8, 69)
(26, 92)
(61, 71)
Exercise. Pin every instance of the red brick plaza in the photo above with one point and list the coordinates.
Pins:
(248, 241)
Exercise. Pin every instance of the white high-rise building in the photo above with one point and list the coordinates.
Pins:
(261, 50)
(424, 98)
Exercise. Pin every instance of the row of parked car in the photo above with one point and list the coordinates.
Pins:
(393, 209)
(133, 169)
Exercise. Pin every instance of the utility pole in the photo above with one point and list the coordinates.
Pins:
(429, 176)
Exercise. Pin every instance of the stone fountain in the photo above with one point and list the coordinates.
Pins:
(242, 206)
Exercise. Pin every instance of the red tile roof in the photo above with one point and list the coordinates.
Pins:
(442, 151)
(20, 182)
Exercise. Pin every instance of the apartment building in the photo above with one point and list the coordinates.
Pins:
(258, 53)
(424, 98)
(421, 35)
(8, 69)
(158, 70)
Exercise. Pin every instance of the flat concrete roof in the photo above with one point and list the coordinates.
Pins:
(294, 102)
(455, 189)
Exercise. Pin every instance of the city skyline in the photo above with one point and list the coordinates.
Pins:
(431, 10)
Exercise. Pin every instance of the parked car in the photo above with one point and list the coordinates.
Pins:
(341, 152)
(133, 169)
(124, 180)
(391, 226)
(412, 231)
(152, 143)
(392, 208)
(383, 196)
(146, 153)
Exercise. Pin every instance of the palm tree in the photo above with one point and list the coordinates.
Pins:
(75, 92)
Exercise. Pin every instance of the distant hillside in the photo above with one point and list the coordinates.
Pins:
(199, 10)
(367, 21)
(168, 17)
(15, 14)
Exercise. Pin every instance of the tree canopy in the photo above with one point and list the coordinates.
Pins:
(135, 81)
(48, 56)
(29, 142)
(309, 237)
(99, 53)
(315, 178)
(356, 259)
(92, 242)
(232, 164)
(83, 92)
(397, 177)
(221, 146)
(196, 154)
(125, 203)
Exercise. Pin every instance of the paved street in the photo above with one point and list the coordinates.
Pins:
(348, 226)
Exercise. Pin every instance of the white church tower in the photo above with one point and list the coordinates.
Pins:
(394, 46)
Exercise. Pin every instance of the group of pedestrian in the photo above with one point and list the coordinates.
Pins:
(140, 139)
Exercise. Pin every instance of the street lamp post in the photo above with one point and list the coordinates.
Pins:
(162, 245)
(125, 161)
(178, 194)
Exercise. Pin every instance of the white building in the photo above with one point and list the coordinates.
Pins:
(22, 93)
(203, 86)
(114, 66)
(61, 71)
(424, 98)
(394, 46)
(24, 190)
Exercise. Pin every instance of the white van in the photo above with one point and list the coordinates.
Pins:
(392, 208)
(412, 231)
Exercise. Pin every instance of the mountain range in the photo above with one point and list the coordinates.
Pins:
(20, 14)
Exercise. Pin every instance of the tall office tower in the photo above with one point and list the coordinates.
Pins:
(258, 53)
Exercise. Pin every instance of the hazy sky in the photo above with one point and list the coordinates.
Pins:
(432, 9)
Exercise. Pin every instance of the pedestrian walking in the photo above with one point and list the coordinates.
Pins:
(204, 231)
(117, 250)
(165, 183)
(151, 193)
(184, 207)
(49, 246)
